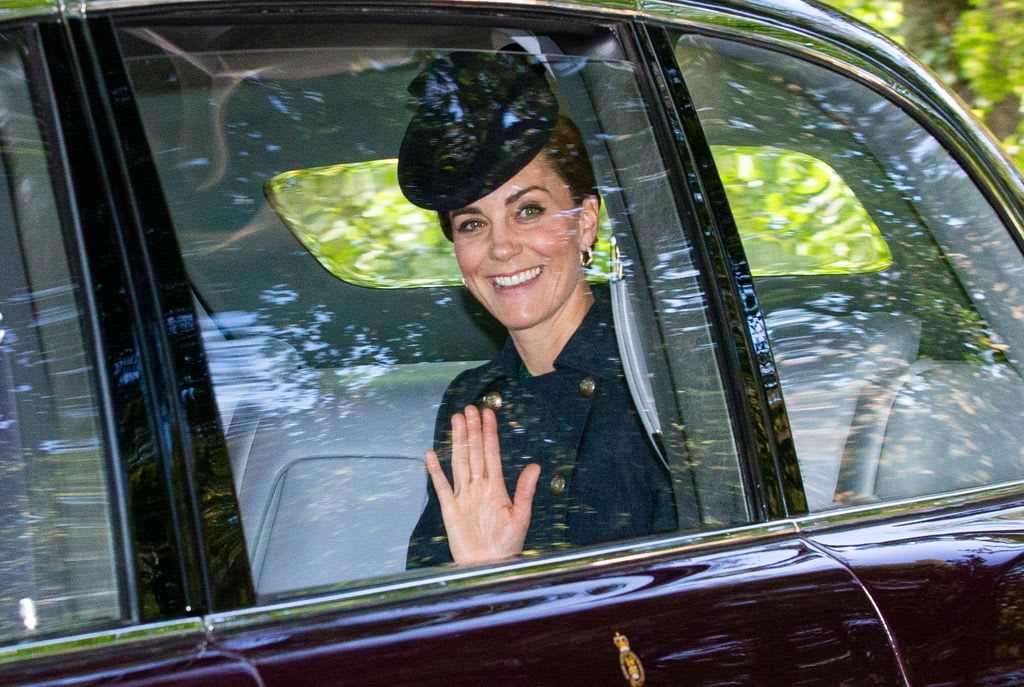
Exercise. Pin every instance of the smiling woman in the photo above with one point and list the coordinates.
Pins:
(515, 192)
(331, 397)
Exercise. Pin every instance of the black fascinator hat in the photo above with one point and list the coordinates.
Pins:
(479, 119)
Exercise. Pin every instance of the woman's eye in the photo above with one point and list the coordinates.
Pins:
(469, 226)
(530, 211)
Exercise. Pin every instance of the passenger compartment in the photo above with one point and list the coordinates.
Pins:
(328, 464)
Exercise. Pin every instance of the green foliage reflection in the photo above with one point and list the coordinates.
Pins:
(796, 215)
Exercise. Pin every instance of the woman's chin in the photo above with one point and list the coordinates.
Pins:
(516, 322)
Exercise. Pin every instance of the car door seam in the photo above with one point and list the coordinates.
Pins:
(897, 652)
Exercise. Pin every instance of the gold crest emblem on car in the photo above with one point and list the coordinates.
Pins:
(632, 668)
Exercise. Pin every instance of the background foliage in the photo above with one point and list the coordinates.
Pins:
(975, 46)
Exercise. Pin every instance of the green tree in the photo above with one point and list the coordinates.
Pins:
(975, 46)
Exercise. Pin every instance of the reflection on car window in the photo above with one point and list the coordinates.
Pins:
(905, 378)
(57, 543)
(329, 391)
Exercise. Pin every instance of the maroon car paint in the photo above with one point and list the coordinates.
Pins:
(775, 614)
(949, 586)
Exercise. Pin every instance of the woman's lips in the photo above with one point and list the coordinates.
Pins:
(517, 279)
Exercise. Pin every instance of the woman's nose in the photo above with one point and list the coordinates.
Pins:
(504, 242)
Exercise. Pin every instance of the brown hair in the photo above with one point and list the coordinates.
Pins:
(567, 155)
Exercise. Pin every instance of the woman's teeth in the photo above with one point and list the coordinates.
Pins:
(517, 278)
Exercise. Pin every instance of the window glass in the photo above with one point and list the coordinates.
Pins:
(58, 567)
(331, 387)
(902, 377)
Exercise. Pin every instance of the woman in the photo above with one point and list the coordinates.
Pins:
(515, 193)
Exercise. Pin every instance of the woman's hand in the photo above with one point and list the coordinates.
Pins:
(482, 522)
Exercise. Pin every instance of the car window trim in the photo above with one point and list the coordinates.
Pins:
(39, 62)
(339, 599)
(773, 491)
(157, 561)
(432, 581)
(26, 10)
(118, 641)
(190, 442)
(917, 507)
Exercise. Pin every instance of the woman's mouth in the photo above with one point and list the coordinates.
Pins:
(508, 281)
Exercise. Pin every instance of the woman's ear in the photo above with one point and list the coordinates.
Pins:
(590, 211)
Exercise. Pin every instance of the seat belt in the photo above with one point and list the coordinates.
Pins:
(634, 364)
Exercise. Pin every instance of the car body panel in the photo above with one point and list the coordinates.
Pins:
(772, 613)
(172, 653)
(949, 587)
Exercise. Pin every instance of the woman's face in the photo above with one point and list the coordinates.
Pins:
(519, 251)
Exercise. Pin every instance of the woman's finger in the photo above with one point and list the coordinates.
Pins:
(526, 487)
(492, 445)
(475, 441)
(460, 452)
(439, 480)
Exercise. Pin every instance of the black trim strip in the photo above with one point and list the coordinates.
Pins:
(763, 429)
(215, 565)
(151, 517)
(41, 86)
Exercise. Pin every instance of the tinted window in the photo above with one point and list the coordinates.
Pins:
(57, 545)
(328, 378)
(901, 371)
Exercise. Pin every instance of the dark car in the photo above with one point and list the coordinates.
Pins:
(224, 336)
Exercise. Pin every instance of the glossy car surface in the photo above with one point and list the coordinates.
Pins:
(210, 440)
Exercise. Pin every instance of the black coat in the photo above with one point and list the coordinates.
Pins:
(601, 479)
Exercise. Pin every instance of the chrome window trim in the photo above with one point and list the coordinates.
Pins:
(397, 589)
(120, 638)
(916, 507)
(401, 588)
(613, 7)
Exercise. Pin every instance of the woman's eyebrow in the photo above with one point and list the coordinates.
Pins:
(468, 210)
(523, 191)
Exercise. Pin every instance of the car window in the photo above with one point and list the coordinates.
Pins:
(58, 555)
(901, 376)
(275, 148)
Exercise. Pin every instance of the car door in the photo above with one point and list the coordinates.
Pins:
(325, 384)
(886, 255)
(91, 573)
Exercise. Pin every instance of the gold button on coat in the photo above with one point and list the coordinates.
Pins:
(492, 400)
(557, 485)
(587, 386)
